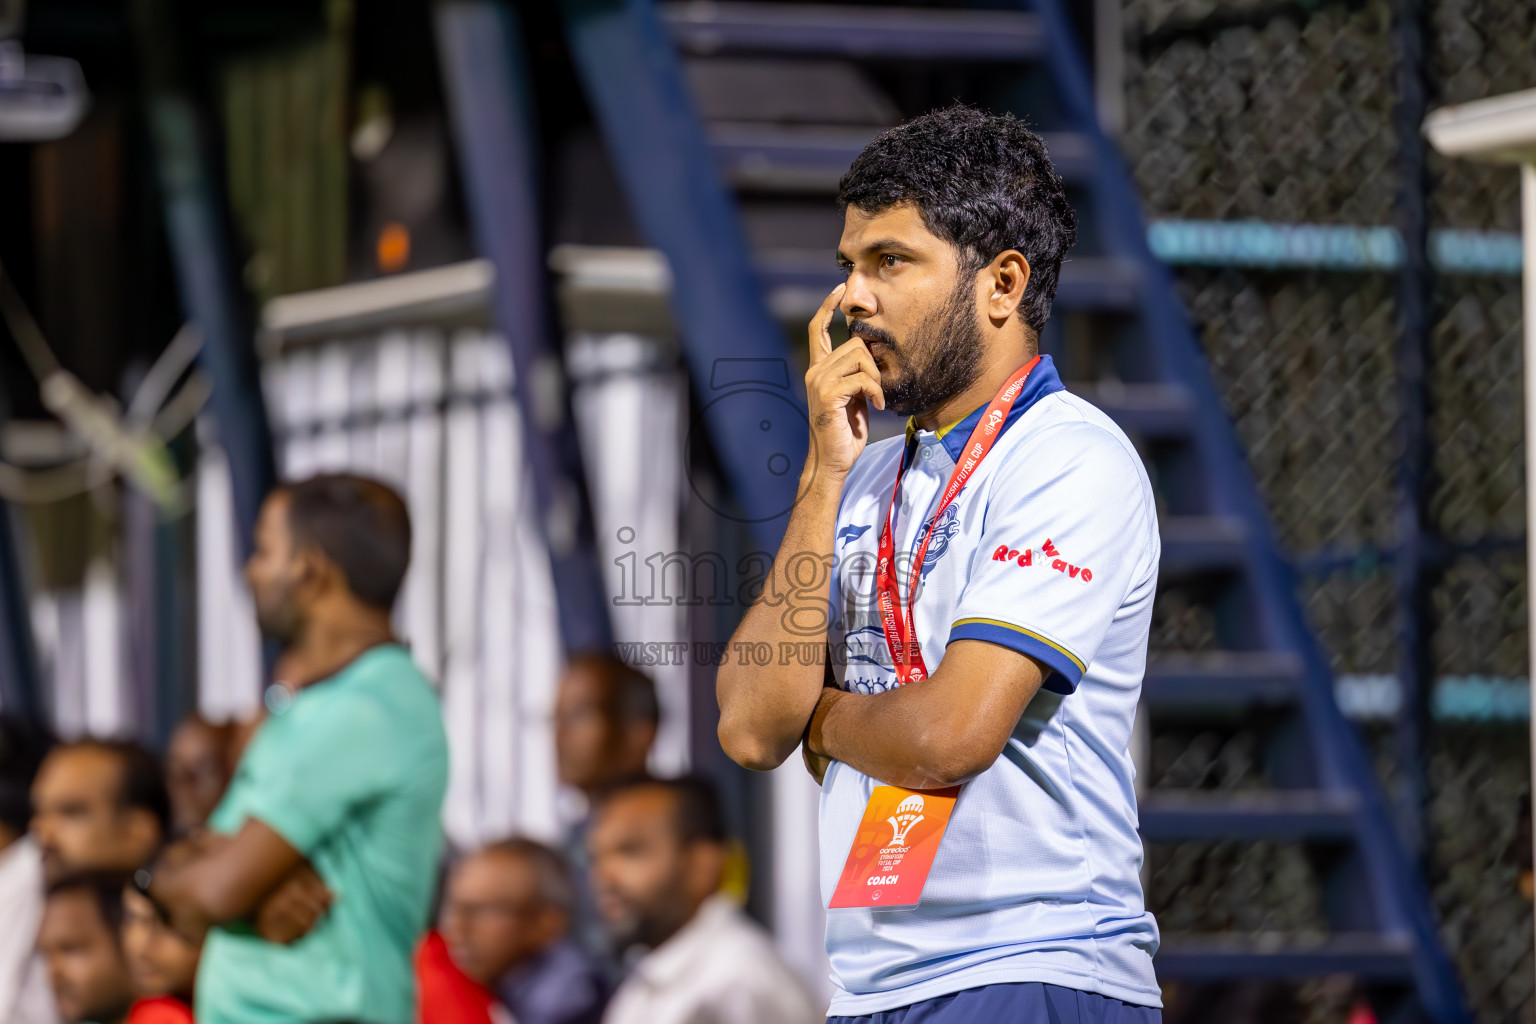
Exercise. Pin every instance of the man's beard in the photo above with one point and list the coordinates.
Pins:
(940, 359)
(276, 617)
(648, 926)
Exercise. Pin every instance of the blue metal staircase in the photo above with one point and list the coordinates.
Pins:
(1120, 329)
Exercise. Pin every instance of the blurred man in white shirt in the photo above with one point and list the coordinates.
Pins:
(658, 853)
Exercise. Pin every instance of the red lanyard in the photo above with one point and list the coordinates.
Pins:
(900, 632)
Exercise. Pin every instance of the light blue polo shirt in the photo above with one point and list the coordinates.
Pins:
(1052, 550)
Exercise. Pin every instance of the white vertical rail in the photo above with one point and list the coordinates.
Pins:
(106, 704)
(501, 631)
(629, 417)
(297, 402)
(68, 662)
(362, 408)
(333, 380)
(392, 394)
(462, 549)
(44, 611)
(539, 659)
(228, 646)
(422, 611)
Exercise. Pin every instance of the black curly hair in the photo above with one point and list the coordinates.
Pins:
(982, 182)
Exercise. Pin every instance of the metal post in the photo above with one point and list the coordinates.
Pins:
(18, 664)
(1528, 312)
(163, 690)
(1412, 560)
(738, 358)
(206, 276)
(478, 43)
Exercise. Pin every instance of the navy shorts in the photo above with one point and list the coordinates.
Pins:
(1031, 1002)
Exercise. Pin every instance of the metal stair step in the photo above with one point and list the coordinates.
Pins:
(1365, 955)
(812, 158)
(705, 28)
(1220, 681)
(1149, 411)
(1286, 815)
(1202, 544)
(802, 277)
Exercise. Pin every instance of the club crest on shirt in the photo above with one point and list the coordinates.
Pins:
(944, 528)
(867, 661)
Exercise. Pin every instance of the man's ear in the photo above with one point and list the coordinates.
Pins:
(317, 574)
(639, 737)
(1004, 281)
(706, 868)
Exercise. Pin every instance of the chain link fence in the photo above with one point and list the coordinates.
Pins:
(1284, 113)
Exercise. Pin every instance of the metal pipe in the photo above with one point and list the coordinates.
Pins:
(744, 379)
(18, 665)
(1411, 564)
(480, 57)
(206, 276)
(1528, 309)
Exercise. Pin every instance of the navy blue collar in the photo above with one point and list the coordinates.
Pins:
(1043, 380)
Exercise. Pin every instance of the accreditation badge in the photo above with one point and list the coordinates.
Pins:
(894, 847)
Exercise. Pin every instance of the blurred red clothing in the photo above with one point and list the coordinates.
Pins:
(445, 994)
(160, 1010)
(1362, 1013)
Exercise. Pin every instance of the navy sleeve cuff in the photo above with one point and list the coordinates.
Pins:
(1068, 670)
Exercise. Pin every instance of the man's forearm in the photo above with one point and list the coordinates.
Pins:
(938, 732)
(764, 708)
(174, 886)
(887, 736)
(221, 879)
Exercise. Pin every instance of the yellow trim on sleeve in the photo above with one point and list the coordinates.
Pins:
(1027, 632)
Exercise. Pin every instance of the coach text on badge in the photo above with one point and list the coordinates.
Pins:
(894, 847)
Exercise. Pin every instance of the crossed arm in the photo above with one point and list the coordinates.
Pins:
(942, 731)
(255, 874)
(939, 732)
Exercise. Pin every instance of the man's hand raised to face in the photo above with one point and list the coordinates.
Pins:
(764, 708)
(839, 387)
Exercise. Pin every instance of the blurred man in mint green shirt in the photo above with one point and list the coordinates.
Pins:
(316, 877)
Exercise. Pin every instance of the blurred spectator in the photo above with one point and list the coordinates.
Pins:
(198, 767)
(606, 716)
(507, 919)
(24, 994)
(162, 963)
(339, 791)
(658, 854)
(79, 939)
(98, 805)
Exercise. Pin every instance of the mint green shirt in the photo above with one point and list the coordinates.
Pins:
(352, 774)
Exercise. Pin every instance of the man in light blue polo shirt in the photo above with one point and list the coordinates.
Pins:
(317, 878)
(986, 614)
